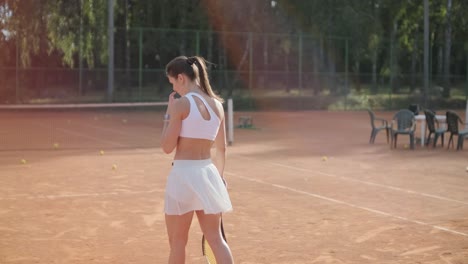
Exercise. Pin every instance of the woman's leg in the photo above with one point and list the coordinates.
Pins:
(210, 226)
(178, 227)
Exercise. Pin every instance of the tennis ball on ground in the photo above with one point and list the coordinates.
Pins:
(101, 152)
(405, 146)
(114, 167)
(324, 158)
(56, 145)
(23, 161)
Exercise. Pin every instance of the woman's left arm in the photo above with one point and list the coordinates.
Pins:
(220, 145)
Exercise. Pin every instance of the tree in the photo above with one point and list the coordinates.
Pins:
(448, 46)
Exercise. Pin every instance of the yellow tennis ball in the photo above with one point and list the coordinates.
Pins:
(114, 167)
(23, 161)
(405, 146)
(56, 145)
(101, 152)
(324, 158)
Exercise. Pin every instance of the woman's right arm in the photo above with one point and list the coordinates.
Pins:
(172, 124)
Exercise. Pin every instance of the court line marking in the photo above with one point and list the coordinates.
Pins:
(366, 182)
(42, 239)
(115, 131)
(94, 138)
(90, 137)
(375, 184)
(75, 195)
(78, 106)
(349, 204)
(84, 136)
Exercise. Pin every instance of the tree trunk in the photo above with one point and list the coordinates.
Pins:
(209, 55)
(357, 80)
(426, 52)
(440, 64)
(241, 63)
(414, 60)
(448, 45)
(286, 63)
(182, 26)
(222, 59)
(225, 63)
(263, 78)
(128, 82)
(331, 66)
(316, 61)
(163, 21)
(374, 71)
(393, 57)
(375, 49)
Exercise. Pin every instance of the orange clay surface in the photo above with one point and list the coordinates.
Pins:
(364, 203)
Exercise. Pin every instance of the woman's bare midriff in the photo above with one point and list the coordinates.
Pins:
(193, 149)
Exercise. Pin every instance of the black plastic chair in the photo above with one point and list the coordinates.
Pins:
(434, 128)
(414, 108)
(403, 122)
(377, 127)
(452, 126)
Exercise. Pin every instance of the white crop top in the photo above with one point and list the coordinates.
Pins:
(195, 126)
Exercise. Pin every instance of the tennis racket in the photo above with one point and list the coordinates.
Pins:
(206, 249)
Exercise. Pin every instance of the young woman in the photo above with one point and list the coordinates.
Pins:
(192, 124)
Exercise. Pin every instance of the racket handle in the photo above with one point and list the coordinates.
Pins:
(225, 182)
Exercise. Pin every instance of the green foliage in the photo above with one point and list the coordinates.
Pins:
(340, 103)
(57, 22)
(359, 33)
(78, 29)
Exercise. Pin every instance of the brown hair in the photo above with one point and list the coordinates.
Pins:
(195, 68)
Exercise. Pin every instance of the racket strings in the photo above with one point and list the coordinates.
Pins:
(208, 252)
(206, 249)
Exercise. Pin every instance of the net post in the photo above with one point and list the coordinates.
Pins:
(230, 122)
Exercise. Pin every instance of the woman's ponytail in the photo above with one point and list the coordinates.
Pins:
(203, 76)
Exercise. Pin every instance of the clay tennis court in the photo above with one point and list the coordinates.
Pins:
(363, 204)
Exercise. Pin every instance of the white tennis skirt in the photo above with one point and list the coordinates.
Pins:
(195, 185)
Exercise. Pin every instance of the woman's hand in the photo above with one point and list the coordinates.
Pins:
(172, 100)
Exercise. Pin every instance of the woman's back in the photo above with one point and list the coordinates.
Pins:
(202, 116)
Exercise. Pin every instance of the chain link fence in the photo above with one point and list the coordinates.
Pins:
(264, 71)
